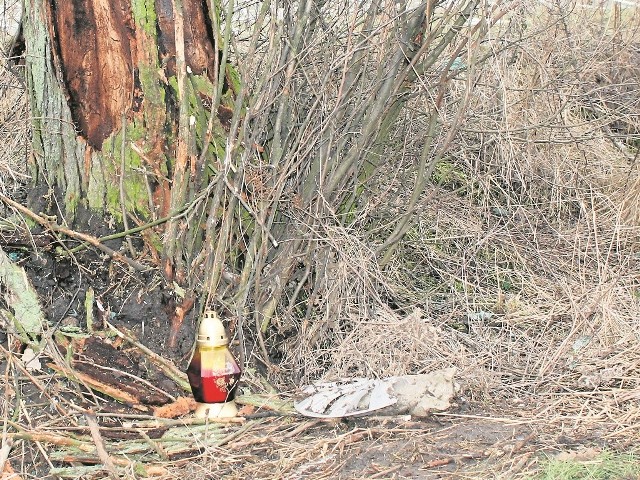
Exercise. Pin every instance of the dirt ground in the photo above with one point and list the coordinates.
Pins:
(472, 440)
(135, 301)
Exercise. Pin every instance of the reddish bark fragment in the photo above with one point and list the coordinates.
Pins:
(225, 115)
(199, 43)
(94, 45)
(177, 319)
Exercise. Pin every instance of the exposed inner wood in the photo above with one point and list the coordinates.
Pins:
(199, 44)
(95, 40)
(96, 43)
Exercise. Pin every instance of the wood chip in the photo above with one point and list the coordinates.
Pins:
(182, 406)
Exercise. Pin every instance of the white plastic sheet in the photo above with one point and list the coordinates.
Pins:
(407, 394)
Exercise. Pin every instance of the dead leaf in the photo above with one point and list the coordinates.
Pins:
(246, 410)
(31, 361)
(8, 473)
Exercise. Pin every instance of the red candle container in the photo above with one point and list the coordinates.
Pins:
(213, 372)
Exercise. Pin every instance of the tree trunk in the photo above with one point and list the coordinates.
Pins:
(121, 94)
(117, 116)
(105, 97)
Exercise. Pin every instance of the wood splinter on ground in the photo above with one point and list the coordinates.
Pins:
(182, 406)
(186, 405)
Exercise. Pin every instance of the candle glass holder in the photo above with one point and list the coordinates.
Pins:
(213, 371)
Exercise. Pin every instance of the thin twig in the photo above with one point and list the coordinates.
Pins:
(77, 235)
(100, 448)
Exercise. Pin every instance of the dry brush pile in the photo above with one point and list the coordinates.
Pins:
(520, 265)
(523, 259)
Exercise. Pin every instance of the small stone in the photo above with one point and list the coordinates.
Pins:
(70, 322)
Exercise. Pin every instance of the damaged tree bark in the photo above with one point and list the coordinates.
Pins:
(109, 97)
(94, 45)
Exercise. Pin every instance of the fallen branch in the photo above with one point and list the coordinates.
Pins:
(519, 445)
(118, 395)
(440, 462)
(165, 423)
(53, 439)
(238, 433)
(175, 441)
(89, 471)
(303, 427)
(387, 472)
(269, 402)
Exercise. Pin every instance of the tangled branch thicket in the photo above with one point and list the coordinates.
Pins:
(522, 262)
(481, 212)
(325, 87)
(455, 189)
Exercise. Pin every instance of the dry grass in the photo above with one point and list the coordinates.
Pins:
(521, 270)
(523, 260)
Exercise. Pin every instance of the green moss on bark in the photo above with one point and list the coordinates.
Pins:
(144, 14)
(133, 183)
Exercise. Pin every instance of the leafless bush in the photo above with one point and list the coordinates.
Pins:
(538, 280)
(313, 139)
(14, 127)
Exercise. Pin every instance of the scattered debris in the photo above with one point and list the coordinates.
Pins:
(407, 394)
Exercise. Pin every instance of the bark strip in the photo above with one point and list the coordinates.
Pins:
(95, 43)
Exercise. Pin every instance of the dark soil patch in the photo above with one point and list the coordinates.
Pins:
(83, 293)
(435, 449)
(139, 302)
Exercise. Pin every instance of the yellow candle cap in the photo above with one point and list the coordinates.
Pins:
(211, 332)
